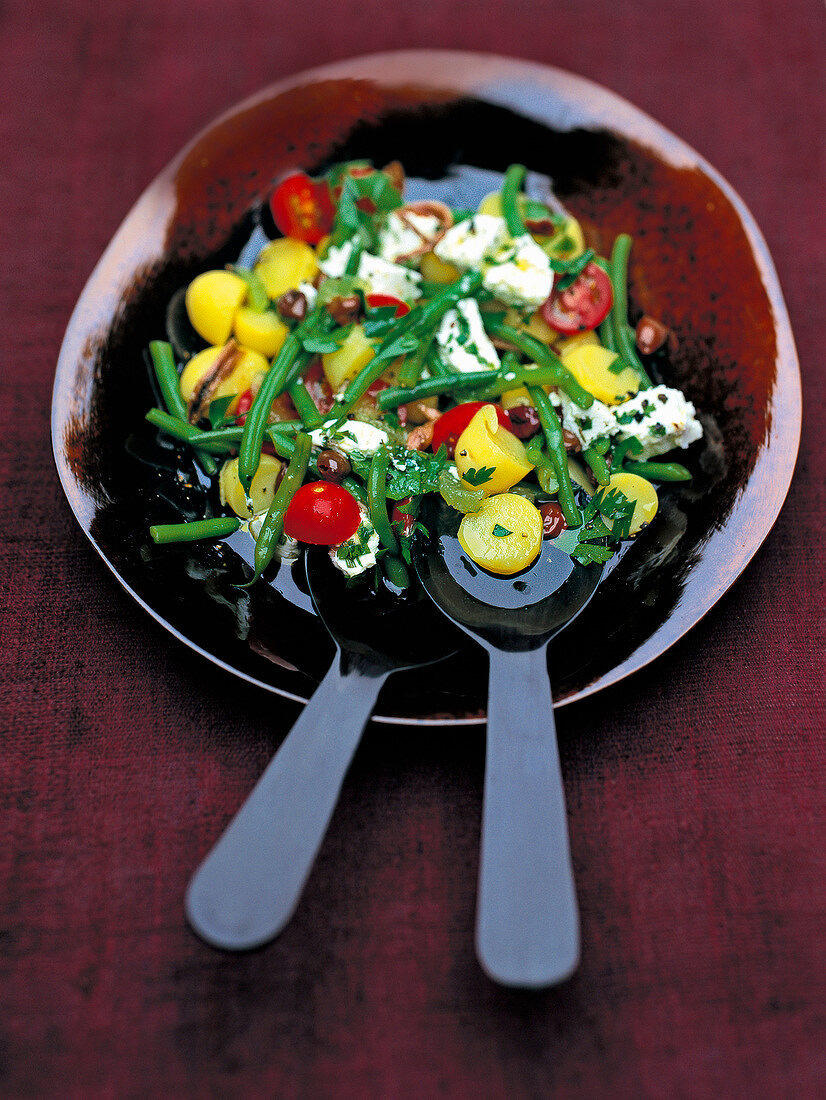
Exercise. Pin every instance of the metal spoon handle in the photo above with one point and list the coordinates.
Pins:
(247, 888)
(527, 930)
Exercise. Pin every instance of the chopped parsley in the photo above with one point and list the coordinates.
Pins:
(480, 476)
(325, 343)
(500, 532)
(592, 537)
(217, 412)
(409, 474)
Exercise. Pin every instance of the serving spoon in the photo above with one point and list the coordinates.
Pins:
(527, 924)
(247, 888)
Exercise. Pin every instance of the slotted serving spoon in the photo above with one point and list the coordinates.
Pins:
(527, 923)
(247, 888)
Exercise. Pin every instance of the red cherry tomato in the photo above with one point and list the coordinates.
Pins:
(323, 514)
(406, 519)
(244, 406)
(303, 208)
(451, 424)
(581, 306)
(376, 301)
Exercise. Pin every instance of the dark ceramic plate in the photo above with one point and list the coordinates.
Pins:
(699, 263)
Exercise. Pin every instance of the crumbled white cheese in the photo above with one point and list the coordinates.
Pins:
(401, 236)
(381, 276)
(662, 419)
(310, 293)
(521, 274)
(386, 278)
(355, 435)
(334, 263)
(587, 425)
(515, 270)
(469, 243)
(357, 554)
(461, 339)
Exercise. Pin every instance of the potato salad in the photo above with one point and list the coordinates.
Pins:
(379, 350)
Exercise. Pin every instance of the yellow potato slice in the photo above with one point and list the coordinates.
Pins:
(285, 263)
(591, 366)
(504, 536)
(435, 270)
(641, 491)
(264, 332)
(212, 299)
(345, 362)
(535, 326)
(251, 364)
(485, 445)
(262, 489)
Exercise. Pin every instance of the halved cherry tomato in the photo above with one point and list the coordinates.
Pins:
(581, 306)
(451, 424)
(323, 514)
(303, 208)
(405, 519)
(244, 405)
(318, 387)
(376, 301)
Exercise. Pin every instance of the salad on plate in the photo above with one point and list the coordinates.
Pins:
(380, 350)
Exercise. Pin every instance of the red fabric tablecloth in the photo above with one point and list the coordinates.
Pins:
(695, 788)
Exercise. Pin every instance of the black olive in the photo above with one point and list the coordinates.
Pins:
(333, 466)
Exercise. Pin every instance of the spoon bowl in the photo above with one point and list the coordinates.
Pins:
(527, 927)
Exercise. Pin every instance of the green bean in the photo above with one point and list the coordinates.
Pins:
(167, 375)
(511, 186)
(511, 379)
(288, 363)
(598, 465)
(556, 450)
(545, 468)
(394, 396)
(605, 331)
(543, 357)
(274, 383)
(396, 571)
(434, 365)
(306, 407)
(273, 526)
(377, 499)
(355, 488)
(216, 528)
(659, 471)
(624, 345)
(219, 440)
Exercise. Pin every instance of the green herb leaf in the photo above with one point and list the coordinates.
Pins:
(571, 269)
(500, 532)
(325, 344)
(257, 297)
(217, 412)
(480, 476)
(587, 553)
